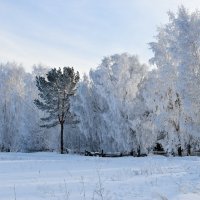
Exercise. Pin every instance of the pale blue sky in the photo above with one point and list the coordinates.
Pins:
(80, 33)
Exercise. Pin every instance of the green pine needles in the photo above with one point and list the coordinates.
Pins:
(55, 91)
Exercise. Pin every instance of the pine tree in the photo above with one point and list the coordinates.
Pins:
(54, 92)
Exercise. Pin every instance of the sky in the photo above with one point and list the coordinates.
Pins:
(79, 33)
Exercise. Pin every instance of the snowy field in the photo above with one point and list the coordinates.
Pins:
(52, 176)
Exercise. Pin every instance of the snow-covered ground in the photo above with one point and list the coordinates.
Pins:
(52, 176)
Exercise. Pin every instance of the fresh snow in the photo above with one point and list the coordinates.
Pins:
(53, 176)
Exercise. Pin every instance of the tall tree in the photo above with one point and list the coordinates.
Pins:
(54, 92)
(105, 100)
(177, 57)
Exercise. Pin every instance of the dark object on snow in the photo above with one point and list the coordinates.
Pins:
(158, 147)
(143, 155)
(138, 152)
(110, 154)
(188, 149)
(159, 150)
(162, 153)
(88, 153)
(180, 151)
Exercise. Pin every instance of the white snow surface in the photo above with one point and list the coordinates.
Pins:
(51, 176)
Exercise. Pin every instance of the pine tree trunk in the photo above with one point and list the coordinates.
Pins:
(61, 138)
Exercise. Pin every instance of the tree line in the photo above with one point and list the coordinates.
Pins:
(122, 105)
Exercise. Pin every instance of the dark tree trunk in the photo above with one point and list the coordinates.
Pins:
(138, 152)
(179, 151)
(61, 138)
(188, 149)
